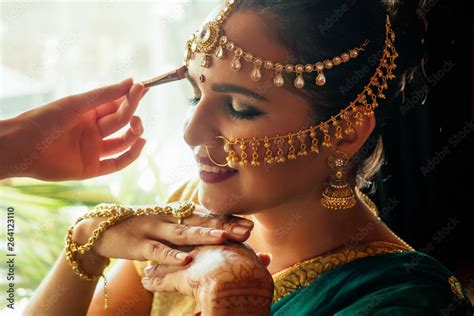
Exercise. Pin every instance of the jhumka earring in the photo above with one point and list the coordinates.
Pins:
(338, 195)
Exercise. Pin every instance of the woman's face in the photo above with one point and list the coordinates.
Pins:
(230, 104)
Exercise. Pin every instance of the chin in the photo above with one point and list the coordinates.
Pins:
(215, 199)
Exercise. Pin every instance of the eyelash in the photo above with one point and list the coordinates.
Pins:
(249, 114)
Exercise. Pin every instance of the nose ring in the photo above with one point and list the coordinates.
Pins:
(212, 159)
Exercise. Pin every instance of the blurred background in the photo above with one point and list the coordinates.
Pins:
(53, 49)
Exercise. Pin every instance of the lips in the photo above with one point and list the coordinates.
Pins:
(209, 166)
(210, 173)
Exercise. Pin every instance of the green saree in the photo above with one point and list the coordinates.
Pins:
(374, 278)
(405, 283)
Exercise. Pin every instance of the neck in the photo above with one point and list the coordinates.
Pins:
(303, 229)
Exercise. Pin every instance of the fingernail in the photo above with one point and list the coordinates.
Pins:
(216, 232)
(181, 255)
(126, 80)
(148, 269)
(136, 127)
(145, 280)
(245, 222)
(239, 230)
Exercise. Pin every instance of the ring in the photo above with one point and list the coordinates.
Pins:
(183, 210)
(212, 159)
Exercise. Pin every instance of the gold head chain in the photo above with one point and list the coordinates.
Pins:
(211, 42)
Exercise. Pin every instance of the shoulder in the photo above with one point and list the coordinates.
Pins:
(406, 283)
(185, 191)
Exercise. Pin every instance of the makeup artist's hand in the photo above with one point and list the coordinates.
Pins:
(225, 279)
(65, 139)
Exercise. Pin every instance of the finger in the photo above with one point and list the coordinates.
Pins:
(136, 125)
(75, 106)
(115, 164)
(160, 270)
(238, 228)
(169, 283)
(111, 123)
(188, 235)
(155, 251)
(109, 107)
(117, 145)
(266, 258)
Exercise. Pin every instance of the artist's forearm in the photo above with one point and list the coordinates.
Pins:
(62, 292)
(10, 148)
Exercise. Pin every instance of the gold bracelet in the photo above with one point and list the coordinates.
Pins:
(115, 213)
(76, 268)
(71, 258)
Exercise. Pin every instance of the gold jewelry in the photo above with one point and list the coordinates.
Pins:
(212, 160)
(210, 41)
(374, 209)
(338, 195)
(115, 213)
(304, 273)
(183, 211)
(70, 251)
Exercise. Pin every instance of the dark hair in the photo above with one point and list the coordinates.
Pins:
(314, 30)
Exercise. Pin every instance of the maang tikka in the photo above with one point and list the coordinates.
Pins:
(213, 45)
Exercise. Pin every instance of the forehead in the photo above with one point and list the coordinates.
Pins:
(249, 31)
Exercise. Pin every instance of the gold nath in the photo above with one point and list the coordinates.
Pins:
(210, 42)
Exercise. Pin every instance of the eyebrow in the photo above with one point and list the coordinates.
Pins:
(230, 88)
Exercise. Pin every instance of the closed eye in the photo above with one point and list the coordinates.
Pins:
(249, 113)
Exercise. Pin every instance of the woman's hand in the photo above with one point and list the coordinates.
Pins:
(158, 238)
(228, 279)
(65, 139)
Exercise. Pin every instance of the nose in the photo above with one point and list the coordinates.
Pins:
(200, 128)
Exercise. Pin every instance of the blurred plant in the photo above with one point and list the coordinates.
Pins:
(44, 210)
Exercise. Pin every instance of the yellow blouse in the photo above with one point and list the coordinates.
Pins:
(286, 281)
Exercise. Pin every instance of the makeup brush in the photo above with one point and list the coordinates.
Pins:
(174, 75)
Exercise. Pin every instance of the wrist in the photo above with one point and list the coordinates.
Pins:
(91, 262)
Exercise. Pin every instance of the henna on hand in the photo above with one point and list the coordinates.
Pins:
(225, 279)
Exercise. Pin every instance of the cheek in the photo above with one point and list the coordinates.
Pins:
(264, 187)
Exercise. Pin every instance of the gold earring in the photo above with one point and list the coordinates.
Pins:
(338, 195)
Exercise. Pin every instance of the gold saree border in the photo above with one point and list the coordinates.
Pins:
(303, 273)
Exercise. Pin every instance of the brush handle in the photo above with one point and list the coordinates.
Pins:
(166, 78)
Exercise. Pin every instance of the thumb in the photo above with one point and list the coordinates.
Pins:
(76, 105)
